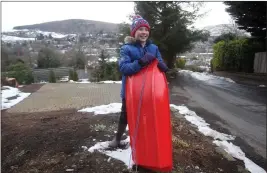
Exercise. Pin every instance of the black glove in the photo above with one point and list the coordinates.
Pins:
(146, 59)
(163, 67)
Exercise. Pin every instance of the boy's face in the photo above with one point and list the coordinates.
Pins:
(142, 34)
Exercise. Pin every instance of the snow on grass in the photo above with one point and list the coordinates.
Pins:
(113, 59)
(206, 68)
(41, 82)
(110, 81)
(84, 81)
(120, 154)
(229, 147)
(53, 34)
(64, 79)
(104, 109)
(203, 127)
(80, 81)
(191, 116)
(236, 152)
(11, 96)
(87, 81)
(205, 76)
(14, 38)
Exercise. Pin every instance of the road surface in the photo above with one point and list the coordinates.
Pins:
(229, 107)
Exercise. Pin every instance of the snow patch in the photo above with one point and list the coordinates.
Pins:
(104, 109)
(262, 86)
(113, 59)
(206, 68)
(203, 127)
(80, 81)
(119, 154)
(64, 79)
(42, 82)
(53, 34)
(7, 93)
(110, 81)
(14, 38)
(205, 76)
(84, 147)
(229, 147)
(86, 81)
(236, 152)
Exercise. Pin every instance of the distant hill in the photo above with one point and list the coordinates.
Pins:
(216, 30)
(72, 26)
(83, 26)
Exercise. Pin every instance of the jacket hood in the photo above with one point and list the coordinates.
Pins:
(132, 40)
(129, 40)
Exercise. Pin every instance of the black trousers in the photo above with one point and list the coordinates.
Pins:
(123, 116)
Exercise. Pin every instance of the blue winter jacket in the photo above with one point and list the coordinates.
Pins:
(130, 53)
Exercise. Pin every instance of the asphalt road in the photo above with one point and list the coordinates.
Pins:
(231, 108)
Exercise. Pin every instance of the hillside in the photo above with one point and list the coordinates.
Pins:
(216, 30)
(72, 26)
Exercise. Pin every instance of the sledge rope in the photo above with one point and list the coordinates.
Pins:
(138, 117)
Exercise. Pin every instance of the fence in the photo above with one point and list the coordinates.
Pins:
(260, 62)
(43, 74)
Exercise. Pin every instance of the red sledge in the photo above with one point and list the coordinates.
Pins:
(148, 113)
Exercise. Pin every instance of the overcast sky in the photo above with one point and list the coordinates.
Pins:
(25, 13)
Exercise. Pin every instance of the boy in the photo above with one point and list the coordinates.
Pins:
(135, 54)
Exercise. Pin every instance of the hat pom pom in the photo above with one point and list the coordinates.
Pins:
(136, 17)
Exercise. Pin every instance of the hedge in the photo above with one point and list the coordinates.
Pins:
(235, 55)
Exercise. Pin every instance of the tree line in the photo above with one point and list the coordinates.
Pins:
(21, 67)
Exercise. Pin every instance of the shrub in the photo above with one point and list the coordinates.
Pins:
(52, 77)
(180, 63)
(21, 72)
(218, 53)
(71, 75)
(235, 55)
(75, 76)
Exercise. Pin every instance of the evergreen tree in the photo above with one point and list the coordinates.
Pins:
(124, 30)
(79, 60)
(52, 77)
(102, 65)
(250, 16)
(170, 26)
(21, 72)
(4, 59)
(75, 76)
(105, 70)
(70, 74)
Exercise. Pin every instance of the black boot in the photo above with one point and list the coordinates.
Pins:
(116, 141)
(122, 124)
